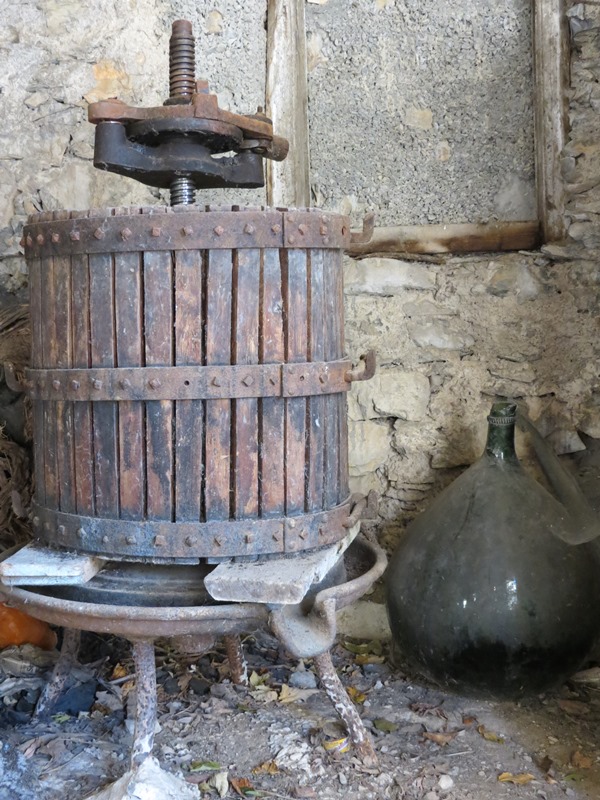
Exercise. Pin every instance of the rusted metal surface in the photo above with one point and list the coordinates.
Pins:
(220, 538)
(172, 146)
(62, 670)
(237, 662)
(135, 622)
(190, 229)
(193, 383)
(145, 701)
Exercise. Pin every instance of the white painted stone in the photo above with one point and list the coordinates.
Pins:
(38, 565)
(281, 581)
(368, 446)
(386, 276)
(393, 393)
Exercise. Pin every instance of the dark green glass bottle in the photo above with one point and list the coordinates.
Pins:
(484, 594)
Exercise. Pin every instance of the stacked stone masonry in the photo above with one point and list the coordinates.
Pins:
(451, 332)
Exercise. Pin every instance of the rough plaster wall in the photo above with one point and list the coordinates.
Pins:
(58, 55)
(410, 111)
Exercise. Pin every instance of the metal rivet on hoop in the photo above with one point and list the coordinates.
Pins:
(99, 233)
(219, 230)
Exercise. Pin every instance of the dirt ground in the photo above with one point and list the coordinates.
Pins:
(280, 738)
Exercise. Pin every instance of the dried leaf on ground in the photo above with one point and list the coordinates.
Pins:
(441, 738)
(337, 745)
(119, 672)
(489, 736)
(204, 766)
(30, 747)
(368, 659)
(365, 648)
(241, 786)
(575, 708)
(256, 680)
(426, 708)
(520, 779)
(356, 695)
(580, 761)
(266, 768)
(289, 694)
(385, 725)
(220, 783)
(468, 720)
(264, 694)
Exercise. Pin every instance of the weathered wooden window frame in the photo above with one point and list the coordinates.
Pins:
(288, 182)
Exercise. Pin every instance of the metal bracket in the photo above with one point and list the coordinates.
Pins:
(308, 635)
(189, 383)
(135, 539)
(14, 383)
(365, 369)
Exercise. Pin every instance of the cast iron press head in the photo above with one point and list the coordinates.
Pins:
(181, 145)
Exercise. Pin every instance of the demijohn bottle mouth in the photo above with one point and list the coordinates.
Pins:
(503, 413)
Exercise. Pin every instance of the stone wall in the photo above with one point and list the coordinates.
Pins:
(451, 333)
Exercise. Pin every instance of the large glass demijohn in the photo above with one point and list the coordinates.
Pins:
(485, 593)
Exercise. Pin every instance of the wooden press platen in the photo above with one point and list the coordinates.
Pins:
(188, 381)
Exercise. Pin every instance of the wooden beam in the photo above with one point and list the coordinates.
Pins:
(457, 238)
(288, 182)
(551, 75)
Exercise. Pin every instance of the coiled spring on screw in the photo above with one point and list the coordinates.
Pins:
(183, 191)
(182, 85)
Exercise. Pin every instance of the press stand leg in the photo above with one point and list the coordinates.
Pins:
(67, 659)
(146, 707)
(345, 708)
(237, 661)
